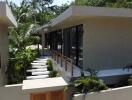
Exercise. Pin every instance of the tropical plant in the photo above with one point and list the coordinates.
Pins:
(43, 12)
(19, 38)
(18, 65)
(50, 65)
(53, 74)
(29, 15)
(89, 84)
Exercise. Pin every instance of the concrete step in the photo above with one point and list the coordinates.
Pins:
(39, 67)
(40, 61)
(37, 70)
(42, 58)
(38, 64)
(37, 77)
(40, 73)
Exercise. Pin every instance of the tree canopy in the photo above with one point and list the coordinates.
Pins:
(105, 3)
(29, 15)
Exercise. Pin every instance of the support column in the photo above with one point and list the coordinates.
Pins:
(43, 43)
(4, 54)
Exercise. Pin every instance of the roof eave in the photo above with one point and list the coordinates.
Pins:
(6, 15)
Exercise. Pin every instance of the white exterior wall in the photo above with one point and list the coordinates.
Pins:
(107, 43)
(123, 93)
(4, 52)
(13, 92)
(6, 20)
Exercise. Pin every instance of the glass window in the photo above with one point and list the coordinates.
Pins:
(66, 39)
(80, 45)
(69, 42)
(59, 40)
(73, 37)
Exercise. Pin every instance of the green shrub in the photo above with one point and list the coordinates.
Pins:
(49, 68)
(89, 84)
(130, 80)
(17, 66)
(53, 74)
(49, 62)
(50, 65)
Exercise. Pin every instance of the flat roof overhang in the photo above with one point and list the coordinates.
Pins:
(81, 12)
(6, 16)
(75, 13)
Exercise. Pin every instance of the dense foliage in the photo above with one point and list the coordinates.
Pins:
(18, 65)
(53, 74)
(105, 3)
(29, 15)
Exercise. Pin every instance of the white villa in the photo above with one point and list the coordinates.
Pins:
(80, 38)
(92, 37)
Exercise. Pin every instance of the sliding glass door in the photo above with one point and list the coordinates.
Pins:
(73, 44)
(79, 52)
(69, 42)
(66, 42)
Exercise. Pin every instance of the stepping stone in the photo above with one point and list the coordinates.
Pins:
(40, 61)
(39, 64)
(37, 70)
(38, 77)
(42, 58)
(40, 73)
(40, 67)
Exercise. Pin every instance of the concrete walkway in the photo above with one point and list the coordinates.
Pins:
(39, 69)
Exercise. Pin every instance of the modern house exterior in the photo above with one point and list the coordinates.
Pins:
(6, 20)
(93, 37)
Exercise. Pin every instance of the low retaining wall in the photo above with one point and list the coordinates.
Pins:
(123, 93)
(13, 92)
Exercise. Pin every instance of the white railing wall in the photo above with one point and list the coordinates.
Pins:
(123, 93)
(13, 92)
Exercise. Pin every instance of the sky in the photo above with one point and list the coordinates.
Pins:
(56, 2)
